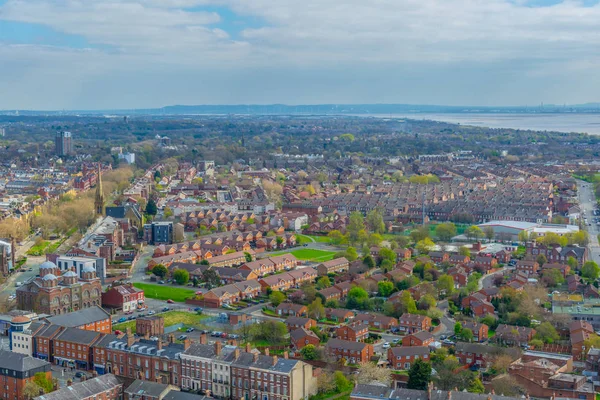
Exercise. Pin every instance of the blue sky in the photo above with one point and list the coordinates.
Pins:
(94, 54)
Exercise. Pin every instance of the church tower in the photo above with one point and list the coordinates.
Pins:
(99, 201)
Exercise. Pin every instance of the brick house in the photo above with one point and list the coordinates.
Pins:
(73, 348)
(402, 254)
(344, 287)
(456, 259)
(439, 257)
(105, 387)
(301, 337)
(90, 319)
(402, 358)
(123, 297)
(411, 323)
(528, 267)
(151, 325)
(481, 308)
(563, 268)
(480, 331)
(356, 332)
(16, 370)
(421, 338)
(377, 321)
(513, 335)
(352, 352)
(333, 266)
(303, 275)
(331, 293)
(485, 263)
(296, 310)
(481, 355)
(281, 282)
(300, 322)
(260, 268)
(339, 314)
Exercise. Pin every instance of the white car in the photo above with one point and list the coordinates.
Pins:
(151, 312)
(395, 341)
(386, 345)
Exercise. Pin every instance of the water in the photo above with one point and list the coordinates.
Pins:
(580, 123)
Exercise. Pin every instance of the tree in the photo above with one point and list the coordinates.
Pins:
(474, 232)
(374, 240)
(336, 237)
(476, 386)
(310, 293)
(151, 208)
(590, 270)
(386, 265)
(342, 383)
(316, 309)
(457, 328)
(369, 372)
(427, 302)
(445, 284)
(541, 259)
(467, 335)
(248, 257)
(506, 385)
(572, 262)
(523, 237)
(43, 382)
(325, 382)
(357, 298)
(419, 375)
(181, 276)
(402, 241)
(488, 231)
(387, 254)
(160, 270)
(351, 254)
(552, 277)
(546, 332)
(31, 390)
(211, 278)
(272, 331)
(375, 222)
(309, 352)
(369, 262)
(385, 288)
(446, 231)
(323, 282)
(464, 251)
(425, 246)
(355, 225)
(419, 234)
(276, 298)
(167, 212)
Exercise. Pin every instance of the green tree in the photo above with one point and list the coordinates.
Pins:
(427, 302)
(386, 265)
(375, 222)
(572, 262)
(167, 212)
(467, 335)
(406, 303)
(160, 270)
(387, 254)
(42, 381)
(151, 208)
(552, 277)
(385, 288)
(211, 278)
(546, 332)
(276, 298)
(342, 383)
(248, 257)
(419, 234)
(476, 386)
(316, 309)
(356, 224)
(474, 232)
(425, 246)
(488, 231)
(523, 237)
(590, 270)
(309, 352)
(323, 282)
(541, 259)
(369, 262)
(336, 237)
(351, 254)
(446, 231)
(464, 251)
(445, 284)
(419, 375)
(31, 390)
(181, 276)
(458, 328)
(374, 240)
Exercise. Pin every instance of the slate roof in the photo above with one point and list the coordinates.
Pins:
(83, 390)
(146, 388)
(79, 336)
(81, 317)
(345, 344)
(19, 362)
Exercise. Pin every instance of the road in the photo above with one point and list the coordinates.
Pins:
(587, 203)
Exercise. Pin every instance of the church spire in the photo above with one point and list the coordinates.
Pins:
(99, 201)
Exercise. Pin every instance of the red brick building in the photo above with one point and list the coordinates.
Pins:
(402, 358)
(90, 319)
(410, 323)
(356, 332)
(153, 325)
(123, 297)
(352, 352)
(16, 370)
(301, 337)
(105, 387)
(421, 338)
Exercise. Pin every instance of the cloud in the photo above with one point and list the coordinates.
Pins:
(540, 39)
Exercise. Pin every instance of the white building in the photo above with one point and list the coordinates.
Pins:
(65, 263)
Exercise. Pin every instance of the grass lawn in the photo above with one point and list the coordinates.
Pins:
(171, 318)
(310, 254)
(165, 292)
(38, 249)
(301, 239)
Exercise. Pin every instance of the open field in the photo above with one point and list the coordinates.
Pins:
(301, 239)
(171, 318)
(310, 254)
(165, 292)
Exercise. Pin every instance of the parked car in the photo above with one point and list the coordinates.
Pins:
(190, 329)
(396, 341)
(170, 301)
(386, 345)
(198, 309)
(224, 335)
(122, 319)
(151, 312)
(161, 282)
(165, 308)
(131, 317)
(182, 337)
(118, 332)
(154, 338)
(80, 374)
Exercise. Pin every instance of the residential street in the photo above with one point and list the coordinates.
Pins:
(587, 203)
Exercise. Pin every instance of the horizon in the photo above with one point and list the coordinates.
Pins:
(142, 54)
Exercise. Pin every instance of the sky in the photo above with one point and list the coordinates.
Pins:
(109, 54)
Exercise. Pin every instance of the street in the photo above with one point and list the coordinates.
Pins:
(587, 202)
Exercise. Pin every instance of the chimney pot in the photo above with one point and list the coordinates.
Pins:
(248, 348)
(218, 347)
(266, 351)
(285, 355)
(274, 360)
(203, 338)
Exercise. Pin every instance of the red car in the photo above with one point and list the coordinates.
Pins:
(170, 301)
(224, 335)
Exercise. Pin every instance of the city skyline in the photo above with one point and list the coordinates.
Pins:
(140, 54)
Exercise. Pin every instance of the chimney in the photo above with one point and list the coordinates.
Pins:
(130, 340)
(266, 351)
(186, 344)
(203, 338)
(159, 344)
(218, 347)
(449, 397)
(128, 331)
(255, 358)
(94, 373)
(69, 382)
(429, 389)
(171, 338)
(233, 342)
(274, 360)
(236, 353)
(248, 348)
(285, 355)
(147, 335)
